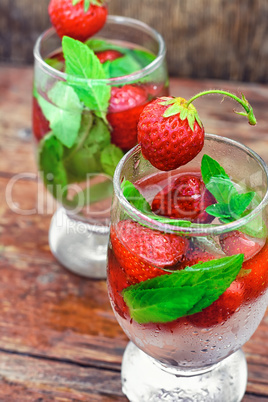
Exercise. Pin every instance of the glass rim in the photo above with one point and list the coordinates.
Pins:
(202, 229)
(130, 22)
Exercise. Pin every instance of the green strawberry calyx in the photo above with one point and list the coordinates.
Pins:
(180, 105)
(88, 3)
(189, 112)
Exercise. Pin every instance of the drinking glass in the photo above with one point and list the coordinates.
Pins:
(79, 176)
(198, 356)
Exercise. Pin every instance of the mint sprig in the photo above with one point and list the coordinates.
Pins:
(222, 188)
(184, 292)
(86, 75)
(231, 205)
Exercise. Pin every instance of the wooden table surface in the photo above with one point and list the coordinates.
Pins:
(59, 340)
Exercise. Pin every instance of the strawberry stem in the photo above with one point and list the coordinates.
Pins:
(243, 102)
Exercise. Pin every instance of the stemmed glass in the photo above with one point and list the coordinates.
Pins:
(76, 159)
(180, 347)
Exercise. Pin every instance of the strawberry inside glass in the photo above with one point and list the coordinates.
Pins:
(187, 283)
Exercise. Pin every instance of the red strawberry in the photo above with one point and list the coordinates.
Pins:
(109, 54)
(170, 133)
(223, 308)
(256, 281)
(126, 105)
(140, 250)
(39, 122)
(237, 242)
(117, 281)
(185, 198)
(77, 19)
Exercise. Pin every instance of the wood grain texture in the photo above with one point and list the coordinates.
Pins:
(219, 39)
(59, 340)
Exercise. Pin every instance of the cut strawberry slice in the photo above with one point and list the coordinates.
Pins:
(186, 198)
(126, 105)
(140, 250)
(237, 242)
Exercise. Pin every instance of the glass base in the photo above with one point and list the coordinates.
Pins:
(144, 380)
(79, 246)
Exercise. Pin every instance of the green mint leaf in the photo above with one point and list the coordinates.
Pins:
(184, 292)
(84, 157)
(168, 221)
(219, 210)
(221, 188)
(132, 61)
(210, 168)
(220, 185)
(99, 134)
(93, 193)
(51, 166)
(63, 112)
(81, 62)
(231, 204)
(240, 202)
(134, 197)
(82, 163)
(110, 157)
(55, 63)
(143, 57)
(122, 66)
(255, 228)
(98, 45)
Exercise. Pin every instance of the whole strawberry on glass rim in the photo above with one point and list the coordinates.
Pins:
(171, 133)
(79, 19)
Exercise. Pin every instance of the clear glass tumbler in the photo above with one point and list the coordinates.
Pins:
(80, 132)
(187, 330)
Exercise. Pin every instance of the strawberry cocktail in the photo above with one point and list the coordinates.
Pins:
(188, 262)
(89, 90)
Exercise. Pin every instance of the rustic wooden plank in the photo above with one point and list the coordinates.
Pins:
(39, 379)
(15, 120)
(205, 39)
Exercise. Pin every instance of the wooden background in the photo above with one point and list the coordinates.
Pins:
(222, 39)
